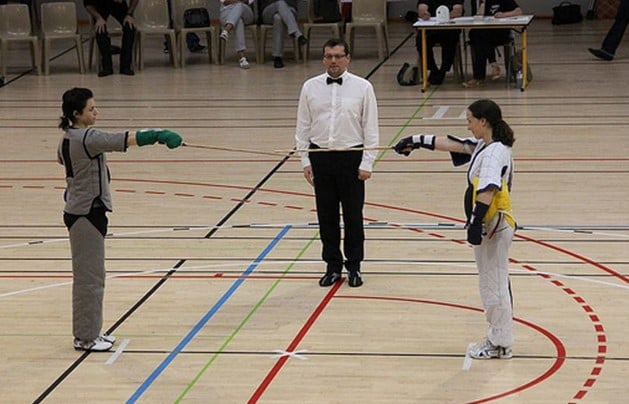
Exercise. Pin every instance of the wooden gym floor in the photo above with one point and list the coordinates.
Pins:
(213, 258)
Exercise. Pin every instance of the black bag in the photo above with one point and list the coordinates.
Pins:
(408, 76)
(566, 13)
(196, 18)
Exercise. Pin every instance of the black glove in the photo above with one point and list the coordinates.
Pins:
(475, 228)
(406, 145)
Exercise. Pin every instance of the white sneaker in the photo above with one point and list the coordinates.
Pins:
(243, 62)
(224, 35)
(109, 338)
(487, 350)
(100, 344)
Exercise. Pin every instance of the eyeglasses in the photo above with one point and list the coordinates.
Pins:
(333, 57)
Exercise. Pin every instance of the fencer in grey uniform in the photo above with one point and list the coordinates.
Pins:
(82, 151)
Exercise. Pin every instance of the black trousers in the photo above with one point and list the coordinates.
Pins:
(448, 39)
(337, 186)
(484, 43)
(119, 12)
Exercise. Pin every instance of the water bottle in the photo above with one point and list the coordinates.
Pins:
(519, 78)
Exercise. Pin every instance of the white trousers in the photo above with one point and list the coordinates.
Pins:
(492, 261)
(238, 15)
(280, 15)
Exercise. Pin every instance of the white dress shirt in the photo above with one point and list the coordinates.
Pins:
(338, 116)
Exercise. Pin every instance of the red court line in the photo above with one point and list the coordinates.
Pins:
(293, 345)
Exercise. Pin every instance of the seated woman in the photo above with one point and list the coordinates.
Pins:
(484, 41)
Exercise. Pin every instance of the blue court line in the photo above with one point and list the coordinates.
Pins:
(206, 318)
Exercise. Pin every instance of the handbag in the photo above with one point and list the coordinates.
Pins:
(407, 75)
(566, 13)
(196, 18)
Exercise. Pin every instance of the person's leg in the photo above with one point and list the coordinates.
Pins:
(87, 245)
(492, 258)
(328, 210)
(617, 30)
(449, 42)
(289, 18)
(119, 12)
(352, 194)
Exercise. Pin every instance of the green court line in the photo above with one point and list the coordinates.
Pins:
(244, 321)
(406, 124)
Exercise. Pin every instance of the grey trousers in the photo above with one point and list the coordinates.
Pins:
(88, 287)
(238, 15)
(282, 17)
(492, 260)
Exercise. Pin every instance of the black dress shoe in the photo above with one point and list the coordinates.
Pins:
(601, 54)
(104, 73)
(127, 72)
(329, 279)
(278, 63)
(355, 279)
(302, 40)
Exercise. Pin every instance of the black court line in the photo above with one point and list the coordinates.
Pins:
(181, 261)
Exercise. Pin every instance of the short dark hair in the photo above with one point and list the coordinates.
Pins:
(74, 99)
(331, 43)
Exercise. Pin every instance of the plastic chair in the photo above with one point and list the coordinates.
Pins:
(59, 21)
(15, 26)
(370, 14)
(179, 7)
(335, 27)
(152, 19)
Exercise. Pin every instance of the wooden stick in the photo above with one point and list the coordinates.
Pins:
(229, 149)
(335, 150)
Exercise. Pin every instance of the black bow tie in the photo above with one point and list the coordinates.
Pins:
(338, 81)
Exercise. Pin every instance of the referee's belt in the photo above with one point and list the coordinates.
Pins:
(316, 146)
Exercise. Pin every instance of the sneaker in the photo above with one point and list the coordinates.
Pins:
(109, 338)
(355, 279)
(100, 344)
(601, 54)
(278, 63)
(224, 35)
(329, 279)
(487, 350)
(243, 62)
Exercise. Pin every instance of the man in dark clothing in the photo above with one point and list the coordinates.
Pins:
(100, 10)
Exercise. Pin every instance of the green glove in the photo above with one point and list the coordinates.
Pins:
(145, 137)
(169, 138)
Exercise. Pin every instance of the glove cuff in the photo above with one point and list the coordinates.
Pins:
(479, 212)
(425, 141)
(145, 137)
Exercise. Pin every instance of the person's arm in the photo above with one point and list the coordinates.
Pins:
(302, 134)
(506, 14)
(431, 142)
(100, 25)
(457, 11)
(129, 19)
(422, 11)
(371, 133)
